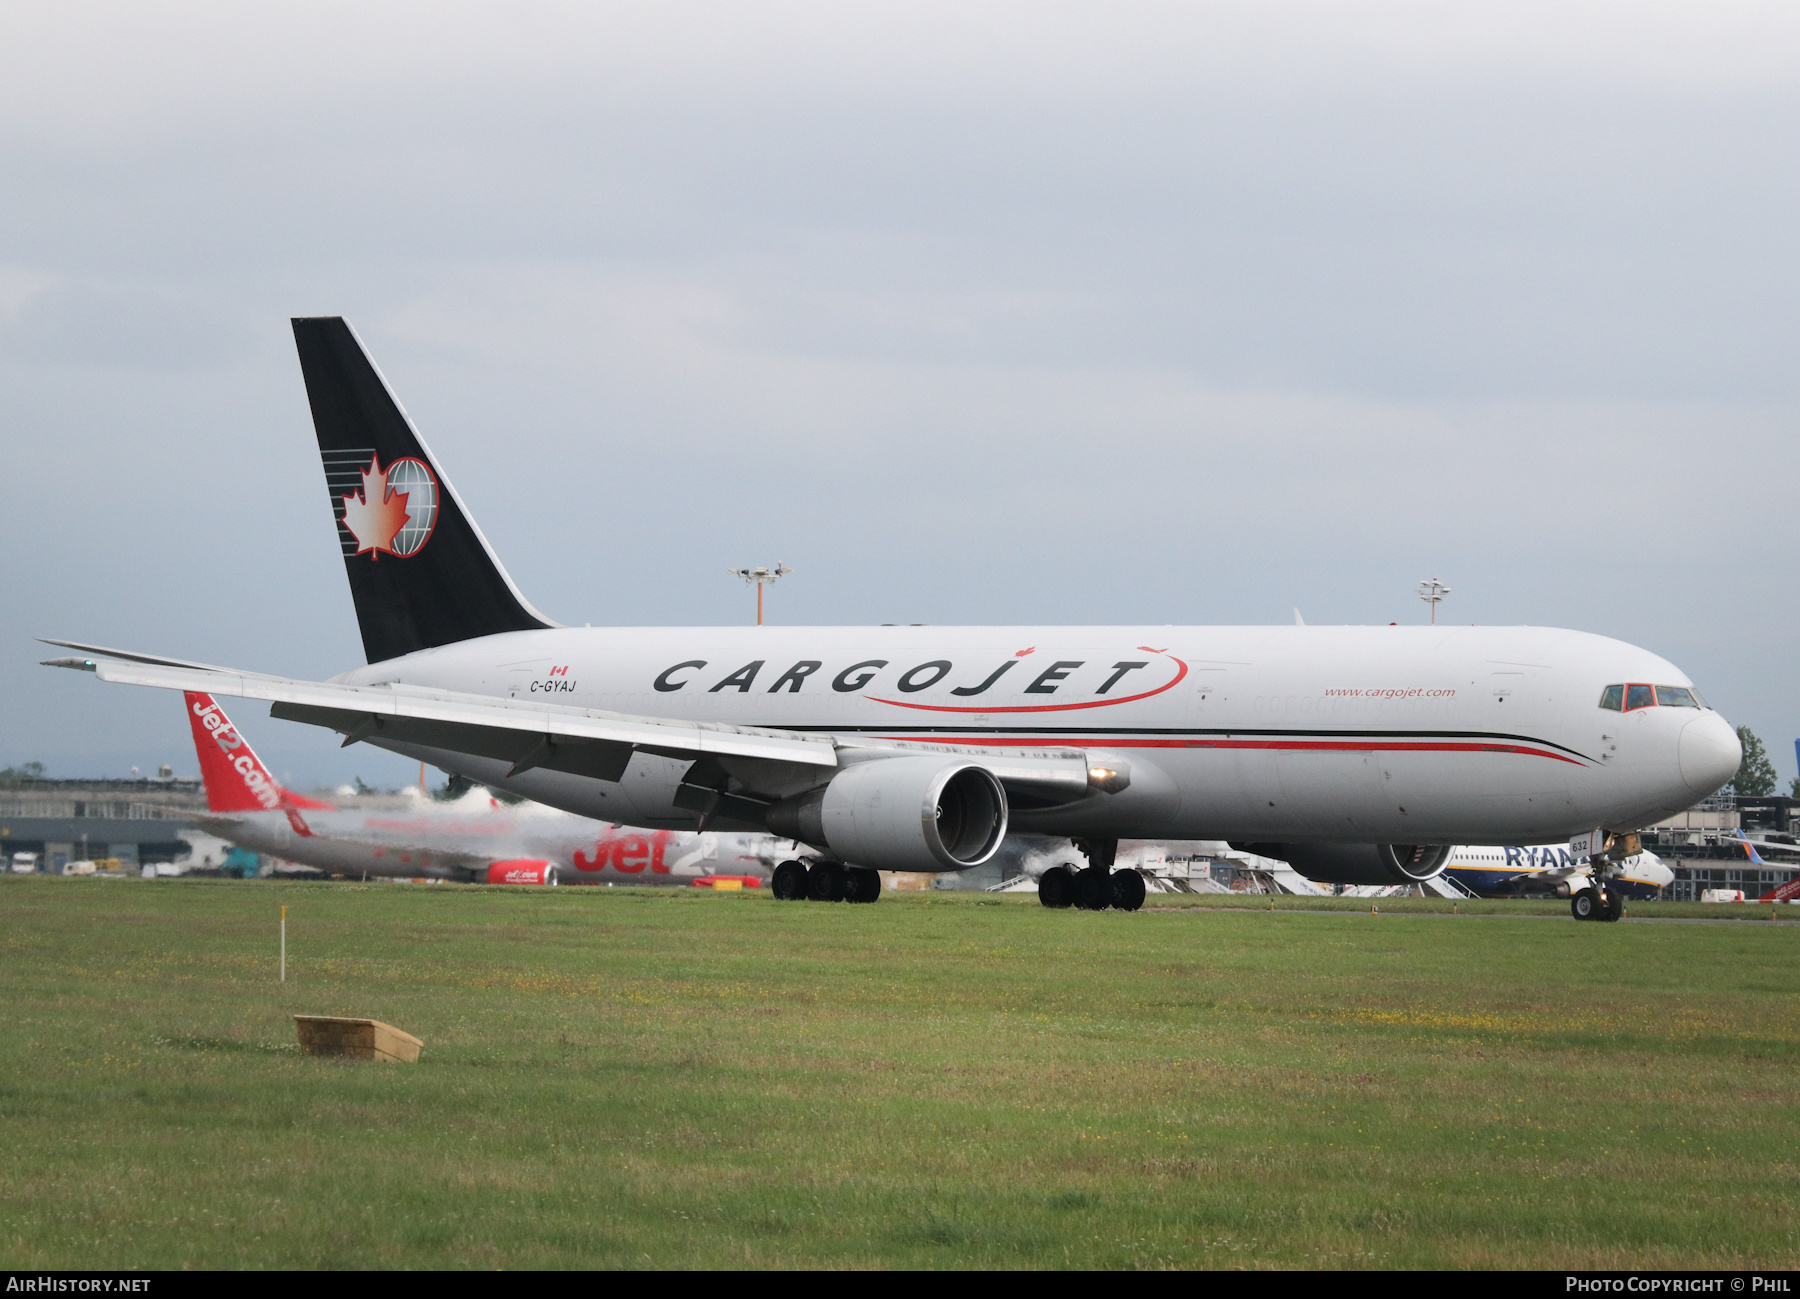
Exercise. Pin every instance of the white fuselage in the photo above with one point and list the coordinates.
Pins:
(1346, 734)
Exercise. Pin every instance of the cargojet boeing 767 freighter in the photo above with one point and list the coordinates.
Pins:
(917, 748)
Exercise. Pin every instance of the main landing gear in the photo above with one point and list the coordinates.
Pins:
(1599, 903)
(824, 881)
(1096, 886)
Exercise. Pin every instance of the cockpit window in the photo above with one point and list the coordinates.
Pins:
(1627, 698)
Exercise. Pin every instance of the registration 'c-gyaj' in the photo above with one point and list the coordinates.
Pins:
(920, 748)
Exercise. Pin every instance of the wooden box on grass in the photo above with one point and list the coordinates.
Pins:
(363, 1039)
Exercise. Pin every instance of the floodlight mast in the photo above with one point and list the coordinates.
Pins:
(1431, 591)
(762, 577)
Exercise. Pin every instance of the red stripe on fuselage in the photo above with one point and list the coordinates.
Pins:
(1320, 746)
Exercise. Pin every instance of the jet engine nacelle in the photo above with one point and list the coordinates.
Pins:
(521, 872)
(1358, 863)
(900, 814)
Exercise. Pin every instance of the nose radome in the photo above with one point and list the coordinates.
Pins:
(1710, 753)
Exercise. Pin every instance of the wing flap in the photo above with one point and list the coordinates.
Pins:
(579, 756)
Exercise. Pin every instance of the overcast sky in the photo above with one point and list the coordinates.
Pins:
(1162, 313)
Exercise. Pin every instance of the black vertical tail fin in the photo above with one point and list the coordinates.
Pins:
(420, 571)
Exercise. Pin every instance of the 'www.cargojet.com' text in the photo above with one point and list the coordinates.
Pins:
(1395, 692)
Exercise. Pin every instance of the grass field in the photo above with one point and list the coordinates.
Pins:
(618, 1078)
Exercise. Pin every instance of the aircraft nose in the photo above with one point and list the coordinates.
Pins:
(1710, 753)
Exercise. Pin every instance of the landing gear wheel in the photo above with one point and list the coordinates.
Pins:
(862, 885)
(1127, 890)
(1612, 906)
(788, 883)
(1056, 887)
(1584, 904)
(825, 882)
(1093, 888)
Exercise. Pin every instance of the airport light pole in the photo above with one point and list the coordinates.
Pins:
(1431, 591)
(762, 577)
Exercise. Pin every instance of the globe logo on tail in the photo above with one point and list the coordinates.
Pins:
(395, 510)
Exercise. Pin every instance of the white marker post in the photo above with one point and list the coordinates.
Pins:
(283, 944)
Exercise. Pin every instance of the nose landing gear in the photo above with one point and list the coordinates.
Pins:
(1600, 900)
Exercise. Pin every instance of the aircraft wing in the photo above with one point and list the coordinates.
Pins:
(528, 734)
(1760, 846)
(1749, 848)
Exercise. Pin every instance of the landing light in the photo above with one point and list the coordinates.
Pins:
(1110, 780)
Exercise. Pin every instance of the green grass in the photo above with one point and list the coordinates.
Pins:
(633, 1078)
(1435, 906)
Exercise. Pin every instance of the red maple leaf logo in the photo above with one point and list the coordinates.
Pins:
(376, 515)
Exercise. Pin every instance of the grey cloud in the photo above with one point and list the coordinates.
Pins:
(1007, 313)
(119, 327)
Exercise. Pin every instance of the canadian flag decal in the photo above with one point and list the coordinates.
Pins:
(395, 510)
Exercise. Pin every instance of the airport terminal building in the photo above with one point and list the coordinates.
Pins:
(134, 822)
(1701, 846)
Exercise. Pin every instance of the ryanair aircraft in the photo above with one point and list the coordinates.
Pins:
(918, 748)
(1550, 870)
